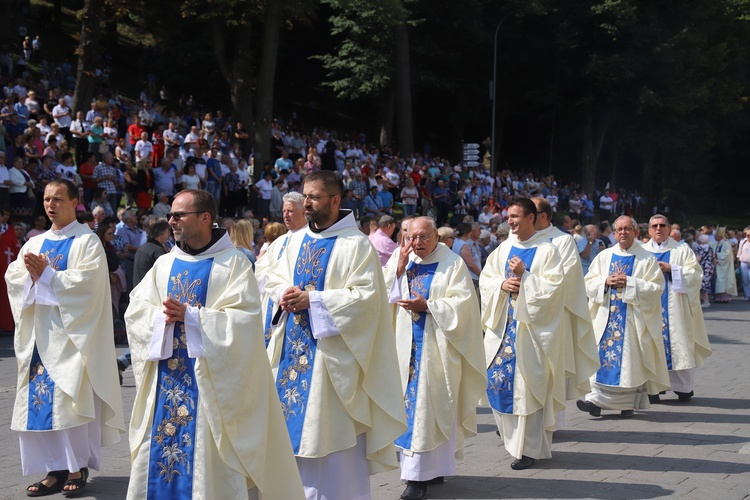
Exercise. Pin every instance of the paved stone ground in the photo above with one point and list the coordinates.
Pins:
(698, 450)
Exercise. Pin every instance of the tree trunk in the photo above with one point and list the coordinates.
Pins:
(387, 112)
(266, 79)
(404, 118)
(239, 74)
(88, 53)
(592, 148)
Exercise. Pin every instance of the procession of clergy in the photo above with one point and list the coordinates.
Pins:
(304, 376)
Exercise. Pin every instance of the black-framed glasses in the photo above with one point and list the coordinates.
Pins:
(179, 215)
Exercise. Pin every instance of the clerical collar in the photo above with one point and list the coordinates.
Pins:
(216, 235)
(658, 246)
(65, 230)
(342, 215)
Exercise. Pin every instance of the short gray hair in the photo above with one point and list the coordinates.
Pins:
(294, 197)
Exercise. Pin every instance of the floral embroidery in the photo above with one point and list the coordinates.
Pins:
(174, 391)
(298, 339)
(611, 343)
(42, 390)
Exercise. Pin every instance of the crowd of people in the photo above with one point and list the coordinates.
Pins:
(385, 296)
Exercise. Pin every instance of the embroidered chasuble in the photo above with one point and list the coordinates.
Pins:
(170, 471)
(419, 278)
(298, 354)
(686, 342)
(501, 374)
(63, 340)
(41, 385)
(664, 257)
(206, 420)
(611, 343)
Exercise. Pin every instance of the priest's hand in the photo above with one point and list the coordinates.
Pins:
(403, 257)
(174, 310)
(295, 299)
(511, 285)
(617, 280)
(517, 266)
(665, 267)
(419, 304)
(35, 265)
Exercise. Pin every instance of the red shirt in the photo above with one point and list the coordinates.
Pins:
(135, 132)
(84, 169)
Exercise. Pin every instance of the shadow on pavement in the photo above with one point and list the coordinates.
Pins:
(6, 347)
(672, 438)
(603, 461)
(480, 487)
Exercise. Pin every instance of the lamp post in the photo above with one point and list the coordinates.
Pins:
(494, 89)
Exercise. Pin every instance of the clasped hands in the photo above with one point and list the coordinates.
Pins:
(295, 299)
(35, 265)
(617, 280)
(513, 283)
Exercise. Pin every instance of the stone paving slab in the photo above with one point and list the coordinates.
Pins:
(699, 450)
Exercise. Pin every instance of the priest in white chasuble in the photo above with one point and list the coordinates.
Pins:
(68, 400)
(440, 354)
(624, 285)
(726, 281)
(293, 214)
(206, 421)
(522, 312)
(581, 359)
(683, 329)
(333, 350)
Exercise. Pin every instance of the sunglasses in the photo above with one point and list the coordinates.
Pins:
(179, 215)
(654, 226)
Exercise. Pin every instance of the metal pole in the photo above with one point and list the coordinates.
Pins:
(494, 90)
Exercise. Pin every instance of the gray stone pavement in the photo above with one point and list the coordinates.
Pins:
(697, 450)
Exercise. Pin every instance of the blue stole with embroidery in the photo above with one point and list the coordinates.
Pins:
(502, 371)
(664, 257)
(269, 308)
(170, 470)
(298, 351)
(41, 385)
(419, 277)
(610, 346)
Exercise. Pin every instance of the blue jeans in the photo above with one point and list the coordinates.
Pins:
(409, 210)
(745, 273)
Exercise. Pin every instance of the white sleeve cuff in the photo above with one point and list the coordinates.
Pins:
(162, 338)
(45, 294)
(193, 333)
(321, 321)
(600, 293)
(678, 285)
(262, 285)
(394, 295)
(629, 297)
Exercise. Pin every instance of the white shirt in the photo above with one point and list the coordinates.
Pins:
(4, 176)
(143, 149)
(63, 121)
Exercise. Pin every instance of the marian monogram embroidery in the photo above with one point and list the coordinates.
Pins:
(53, 259)
(183, 290)
(309, 259)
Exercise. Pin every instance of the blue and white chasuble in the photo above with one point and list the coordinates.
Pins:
(41, 385)
(611, 343)
(419, 277)
(298, 351)
(501, 373)
(170, 472)
(664, 257)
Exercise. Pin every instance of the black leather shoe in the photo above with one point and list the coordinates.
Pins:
(589, 407)
(626, 413)
(415, 490)
(436, 480)
(522, 463)
(684, 396)
(654, 399)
